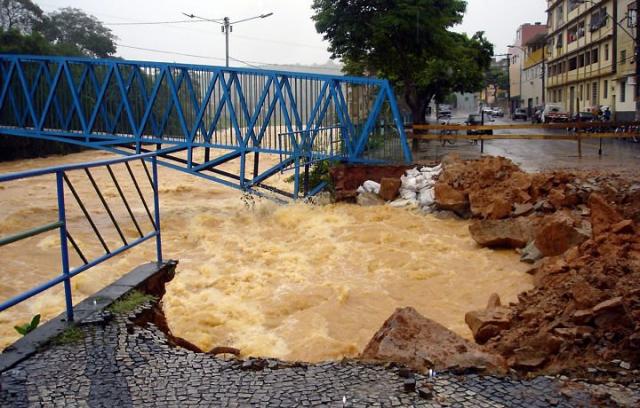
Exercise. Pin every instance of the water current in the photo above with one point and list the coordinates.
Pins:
(296, 282)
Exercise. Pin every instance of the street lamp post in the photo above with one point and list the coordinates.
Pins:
(227, 27)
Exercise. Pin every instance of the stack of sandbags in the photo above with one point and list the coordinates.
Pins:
(417, 187)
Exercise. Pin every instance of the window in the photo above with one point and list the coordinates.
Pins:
(594, 93)
(605, 89)
(573, 4)
(606, 52)
(560, 14)
(623, 57)
(580, 60)
(580, 29)
(572, 34)
(632, 16)
(573, 64)
(587, 58)
(623, 90)
(594, 56)
(580, 94)
(598, 19)
(559, 43)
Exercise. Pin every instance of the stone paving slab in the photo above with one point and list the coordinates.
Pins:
(121, 364)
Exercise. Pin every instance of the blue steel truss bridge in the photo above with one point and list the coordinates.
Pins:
(238, 127)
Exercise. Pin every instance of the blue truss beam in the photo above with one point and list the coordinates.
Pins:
(189, 107)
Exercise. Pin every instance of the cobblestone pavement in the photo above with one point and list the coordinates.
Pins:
(120, 364)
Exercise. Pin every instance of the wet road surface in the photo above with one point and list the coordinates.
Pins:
(621, 156)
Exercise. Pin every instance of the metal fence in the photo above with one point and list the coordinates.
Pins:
(214, 115)
(63, 185)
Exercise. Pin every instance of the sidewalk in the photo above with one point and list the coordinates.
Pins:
(121, 364)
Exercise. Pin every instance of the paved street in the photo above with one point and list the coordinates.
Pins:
(536, 155)
(121, 364)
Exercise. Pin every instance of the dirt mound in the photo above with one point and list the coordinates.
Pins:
(585, 308)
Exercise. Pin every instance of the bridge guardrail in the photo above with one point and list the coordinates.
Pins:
(62, 180)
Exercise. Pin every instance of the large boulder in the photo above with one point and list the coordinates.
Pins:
(390, 188)
(603, 215)
(509, 233)
(557, 234)
(413, 340)
(488, 323)
(450, 199)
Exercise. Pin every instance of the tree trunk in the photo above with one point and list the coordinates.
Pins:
(418, 107)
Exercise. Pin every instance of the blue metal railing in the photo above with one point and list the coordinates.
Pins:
(214, 115)
(62, 181)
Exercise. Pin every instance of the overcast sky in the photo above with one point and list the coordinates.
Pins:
(287, 37)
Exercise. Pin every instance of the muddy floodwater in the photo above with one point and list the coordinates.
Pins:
(296, 282)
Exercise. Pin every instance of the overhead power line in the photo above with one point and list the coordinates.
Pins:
(154, 22)
(168, 52)
(245, 62)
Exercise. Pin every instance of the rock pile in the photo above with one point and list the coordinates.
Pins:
(585, 307)
(581, 233)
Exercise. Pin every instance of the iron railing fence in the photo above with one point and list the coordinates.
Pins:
(214, 115)
(65, 186)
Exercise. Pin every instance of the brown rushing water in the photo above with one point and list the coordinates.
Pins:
(296, 282)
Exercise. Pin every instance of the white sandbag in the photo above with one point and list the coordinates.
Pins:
(409, 183)
(426, 197)
(413, 172)
(407, 194)
(422, 182)
(371, 187)
(401, 203)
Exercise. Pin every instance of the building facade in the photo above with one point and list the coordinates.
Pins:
(517, 53)
(533, 74)
(582, 54)
(623, 89)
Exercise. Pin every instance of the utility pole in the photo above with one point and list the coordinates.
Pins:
(227, 27)
(544, 72)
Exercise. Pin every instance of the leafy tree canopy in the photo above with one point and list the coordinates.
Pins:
(20, 15)
(408, 42)
(497, 77)
(24, 28)
(74, 27)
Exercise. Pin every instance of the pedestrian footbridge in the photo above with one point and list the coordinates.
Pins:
(235, 126)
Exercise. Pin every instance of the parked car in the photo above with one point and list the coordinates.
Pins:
(553, 113)
(498, 112)
(475, 119)
(519, 114)
(585, 117)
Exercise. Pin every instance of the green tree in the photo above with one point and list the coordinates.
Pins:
(74, 28)
(408, 42)
(498, 78)
(20, 15)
